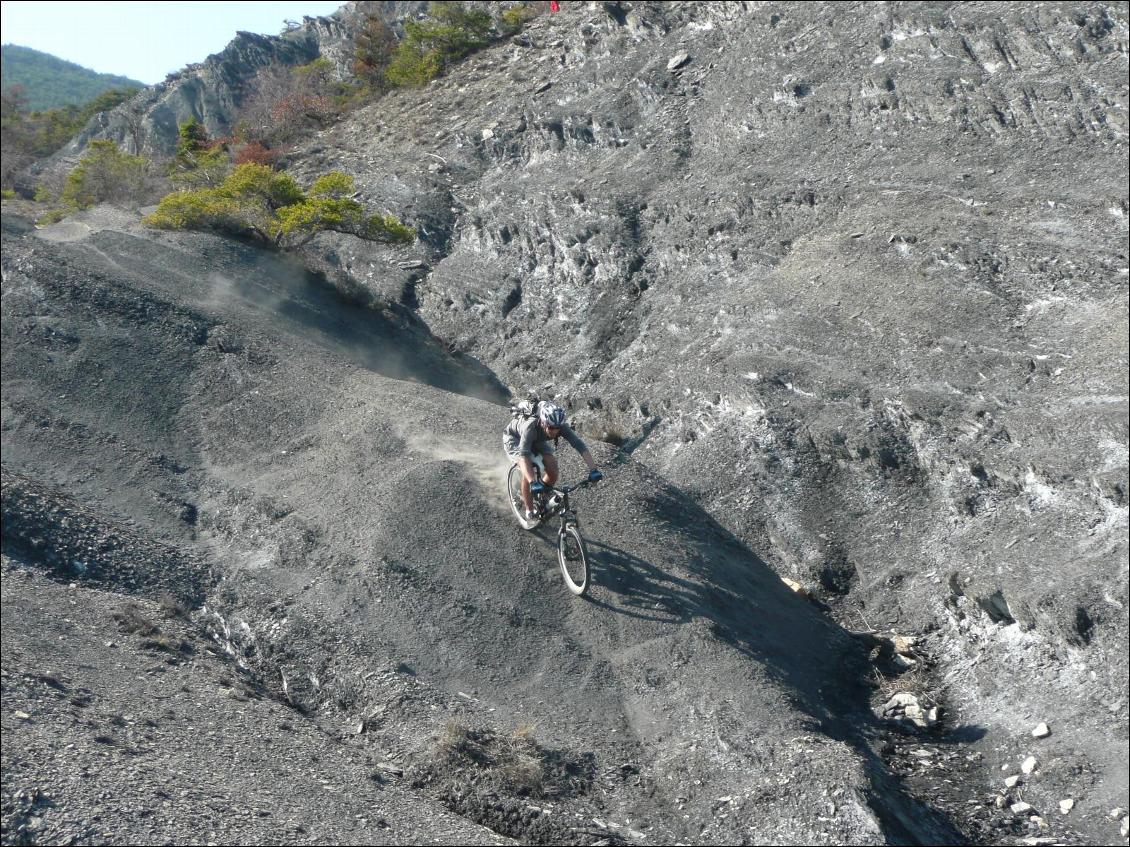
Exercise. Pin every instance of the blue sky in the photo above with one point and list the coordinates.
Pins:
(143, 40)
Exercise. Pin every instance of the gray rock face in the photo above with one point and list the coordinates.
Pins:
(210, 92)
(853, 276)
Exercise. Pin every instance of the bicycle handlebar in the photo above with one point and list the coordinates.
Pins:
(568, 489)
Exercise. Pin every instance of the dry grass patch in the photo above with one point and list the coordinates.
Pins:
(131, 619)
(500, 779)
(510, 763)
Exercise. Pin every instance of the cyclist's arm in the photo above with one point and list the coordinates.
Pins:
(579, 446)
(587, 456)
(527, 466)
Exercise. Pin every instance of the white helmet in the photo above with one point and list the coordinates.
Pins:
(550, 414)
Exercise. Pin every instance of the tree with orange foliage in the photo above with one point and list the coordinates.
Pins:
(373, 48)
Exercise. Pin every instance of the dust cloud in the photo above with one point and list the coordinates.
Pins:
(488, 469)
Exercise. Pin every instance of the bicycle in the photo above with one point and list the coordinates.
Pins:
(571, 553)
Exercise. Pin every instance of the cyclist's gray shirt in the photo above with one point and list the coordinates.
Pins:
(523, 437)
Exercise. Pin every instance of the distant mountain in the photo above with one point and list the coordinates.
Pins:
(50, 82)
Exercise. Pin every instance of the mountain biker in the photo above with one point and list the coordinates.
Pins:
(530, 435)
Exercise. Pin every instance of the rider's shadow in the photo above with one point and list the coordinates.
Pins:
(712, 577)
(647, 592)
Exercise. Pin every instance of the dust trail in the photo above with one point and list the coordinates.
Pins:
(488, 468)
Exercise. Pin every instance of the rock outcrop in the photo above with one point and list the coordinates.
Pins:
(212, 91)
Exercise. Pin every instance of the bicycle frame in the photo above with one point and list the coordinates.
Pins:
(571, 555)
(547, 503)
(562, 508)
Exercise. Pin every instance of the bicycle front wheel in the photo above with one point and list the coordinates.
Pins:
(574, 559)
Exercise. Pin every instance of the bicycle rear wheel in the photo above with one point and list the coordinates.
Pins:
(514, 495)
(573, 558)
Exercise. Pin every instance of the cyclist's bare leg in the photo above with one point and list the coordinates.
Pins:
(550, 462)
(528, 476)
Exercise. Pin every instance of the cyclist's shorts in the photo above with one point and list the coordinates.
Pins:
(511, 448)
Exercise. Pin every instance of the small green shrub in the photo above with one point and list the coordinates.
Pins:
(204, 169)
(412, 68)
(200, 162)
(192, 139)
(517, 16)
(104, 175)
(52, 216)
(270, 206)
(451, 32)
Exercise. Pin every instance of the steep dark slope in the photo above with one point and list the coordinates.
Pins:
(854, 276)
(195, 394)
(111, 736)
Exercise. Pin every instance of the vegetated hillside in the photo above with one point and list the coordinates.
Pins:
(847, 285)
(50, 82)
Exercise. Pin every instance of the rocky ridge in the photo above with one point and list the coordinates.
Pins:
(212, 91)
